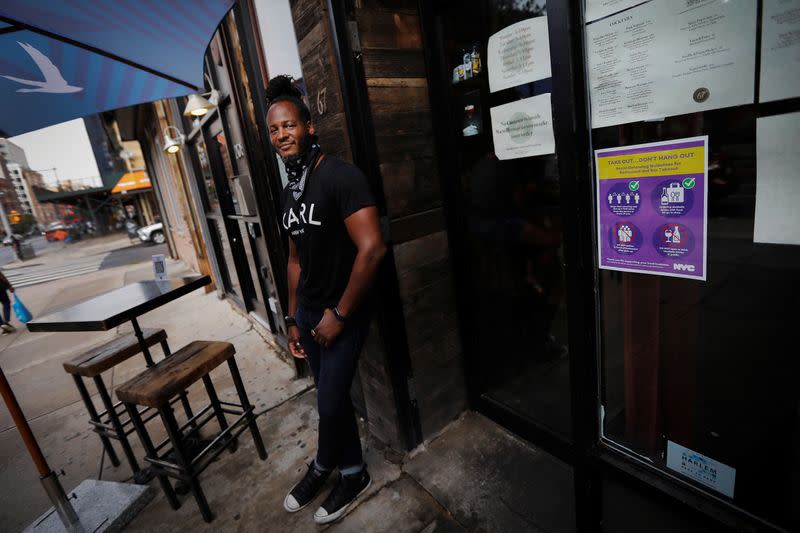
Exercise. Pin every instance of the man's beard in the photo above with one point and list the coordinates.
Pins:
(293, 159)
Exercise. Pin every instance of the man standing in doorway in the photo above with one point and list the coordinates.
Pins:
(335, 250)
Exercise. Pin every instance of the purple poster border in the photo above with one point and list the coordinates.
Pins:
(643, 149)
(654, 223)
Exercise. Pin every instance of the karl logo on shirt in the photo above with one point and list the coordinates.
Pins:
(305, 215)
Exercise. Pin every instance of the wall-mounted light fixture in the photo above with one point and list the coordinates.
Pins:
(198, 105)
(172, 145)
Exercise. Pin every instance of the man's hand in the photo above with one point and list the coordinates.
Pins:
(328, 329)
(294, 343)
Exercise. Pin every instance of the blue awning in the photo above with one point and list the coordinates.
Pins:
(64, 60)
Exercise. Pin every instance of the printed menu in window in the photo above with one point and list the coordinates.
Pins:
(671, 57)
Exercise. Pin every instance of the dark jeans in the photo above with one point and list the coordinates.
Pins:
(6, 307)
(334, 369)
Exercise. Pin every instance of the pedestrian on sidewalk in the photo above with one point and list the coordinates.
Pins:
(5, 320)
(16, 244)
(335, 250)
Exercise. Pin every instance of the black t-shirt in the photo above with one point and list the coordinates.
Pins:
(334, 191)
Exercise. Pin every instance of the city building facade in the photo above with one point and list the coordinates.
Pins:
(45, 213)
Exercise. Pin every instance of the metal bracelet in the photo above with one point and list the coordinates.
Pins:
(338, 315)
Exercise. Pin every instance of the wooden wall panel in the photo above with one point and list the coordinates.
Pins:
(411, 186)
(385, 63)
(426, 287)
(397, 89)
(396, 29)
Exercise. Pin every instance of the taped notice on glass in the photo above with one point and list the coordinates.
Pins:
(523, 128)
(780, 50)
(777, 217)
(652, 208)
(671, 57)
(700, 468)
(518, 54)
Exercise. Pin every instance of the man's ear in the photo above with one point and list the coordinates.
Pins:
(311, 129)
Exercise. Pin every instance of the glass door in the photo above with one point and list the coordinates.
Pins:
(228, 156)
(506, 196)
(212, 205)
(235, 214)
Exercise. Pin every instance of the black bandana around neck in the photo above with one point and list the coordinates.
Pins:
(298, 167)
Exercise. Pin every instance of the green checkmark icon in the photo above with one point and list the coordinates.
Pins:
(688, 183)
(634, 185)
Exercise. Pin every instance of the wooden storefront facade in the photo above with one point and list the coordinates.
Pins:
(490, 296)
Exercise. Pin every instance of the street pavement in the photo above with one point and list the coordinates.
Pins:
(39, 243)
(73, 262)
(35, 273)
(449, 484)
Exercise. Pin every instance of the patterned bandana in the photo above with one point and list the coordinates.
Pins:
(298, 167)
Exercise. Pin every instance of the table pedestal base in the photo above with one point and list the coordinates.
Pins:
(102, 506)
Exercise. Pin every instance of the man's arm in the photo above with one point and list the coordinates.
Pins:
(364, 229)
(293, 275)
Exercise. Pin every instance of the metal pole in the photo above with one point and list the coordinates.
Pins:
(48, 478)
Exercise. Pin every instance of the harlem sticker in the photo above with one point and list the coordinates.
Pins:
(651, 212)
(701, 468)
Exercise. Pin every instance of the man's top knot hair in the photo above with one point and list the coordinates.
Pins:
(283, 89)
(282, 85)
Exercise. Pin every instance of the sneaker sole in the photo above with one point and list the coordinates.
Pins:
(338, 514)
(286, 507)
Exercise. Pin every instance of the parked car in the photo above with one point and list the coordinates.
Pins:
(153, 233)
(56, 231)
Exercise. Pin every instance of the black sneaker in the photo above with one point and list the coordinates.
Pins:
(302, 493)
(343, 494)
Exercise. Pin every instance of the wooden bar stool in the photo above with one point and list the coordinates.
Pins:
(158, 386)
(113, 422)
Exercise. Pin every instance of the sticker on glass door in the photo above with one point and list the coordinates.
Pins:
(651, 212)
(703, 469)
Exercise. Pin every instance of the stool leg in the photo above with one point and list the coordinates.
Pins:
(94, 417)
(187, 408)
(176, 437)
(212, 396)
(142, 343)
(251, 418)
(150, 451)
(123, 440)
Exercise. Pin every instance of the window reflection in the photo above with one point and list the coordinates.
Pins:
(207, 176)
(513, 231)
(710, 365)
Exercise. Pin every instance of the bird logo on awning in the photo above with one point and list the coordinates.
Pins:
(53, 82)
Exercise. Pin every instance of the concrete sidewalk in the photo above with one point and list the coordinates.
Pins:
(475, 476)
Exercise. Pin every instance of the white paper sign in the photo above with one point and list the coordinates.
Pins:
(523, 128)
(778, 180)
(597, 9)
(670, 57)
(159, 267)
(705, 470)
(518, 54)
(780, 50)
